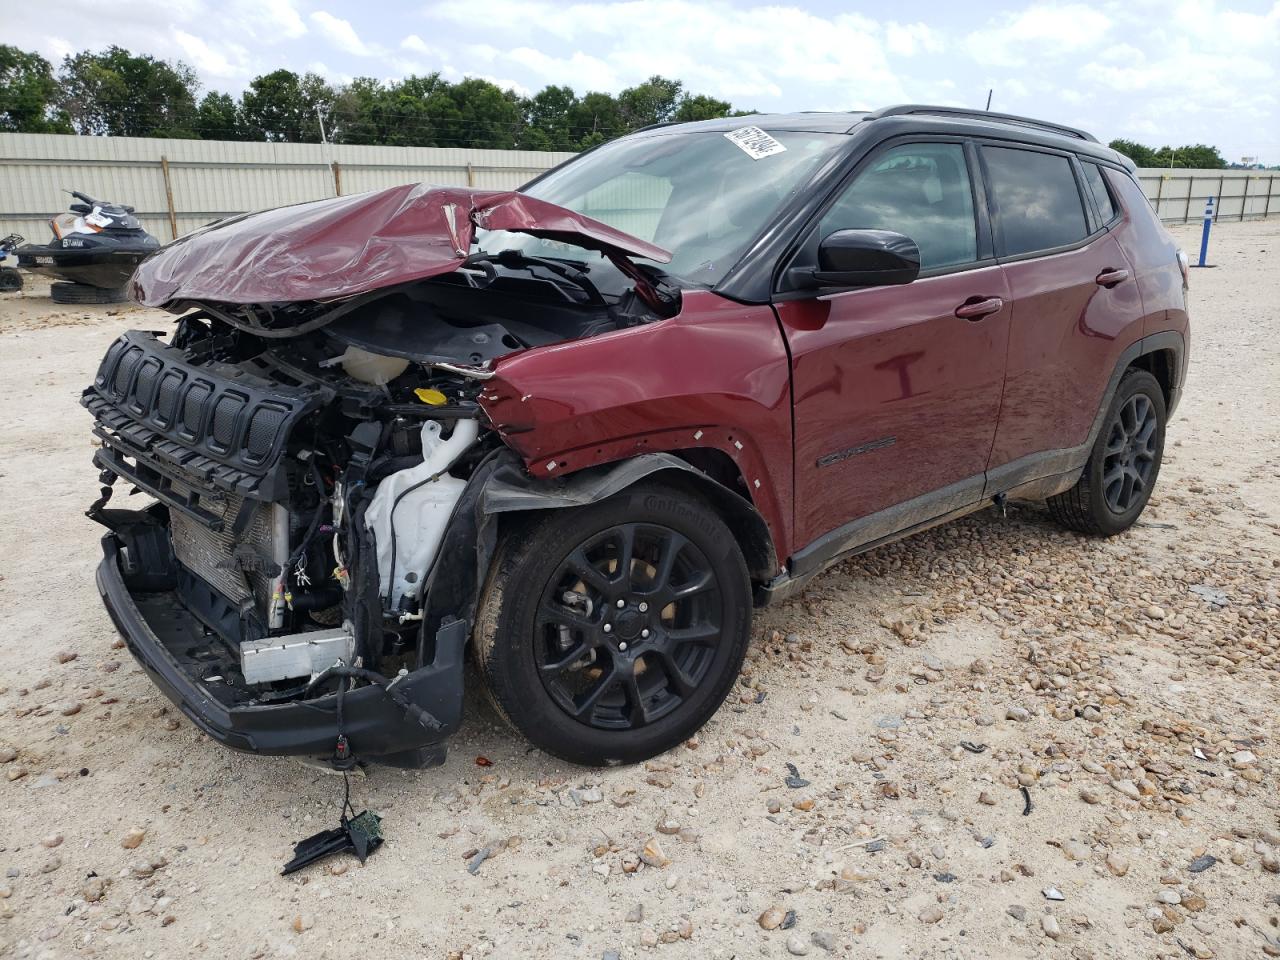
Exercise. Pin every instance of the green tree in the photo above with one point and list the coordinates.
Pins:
(282, 107)
(119, 94)
(28, 92)
(218, 118)
(595, 118)
(654, 101)
(701, 107)
(548, 120)
(1141, 155)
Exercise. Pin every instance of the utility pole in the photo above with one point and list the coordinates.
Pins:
(320, 117)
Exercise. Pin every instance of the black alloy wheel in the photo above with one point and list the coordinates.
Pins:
(1130, 454)
(627, 625)
(611, 632)
(1123, 464)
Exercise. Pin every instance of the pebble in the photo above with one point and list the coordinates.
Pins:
(931, 914)
(1049, 924)
(797, 945)
(1017, 911)
(70, 708)
(1117, 864)
(772, 917)
(635, 914)
(1017, 713)
(133, 838)
(1128, 788)
(824, 940)
(303, 922)
(8, 754)
(653, 856)
(1090, 795)
(52, 840)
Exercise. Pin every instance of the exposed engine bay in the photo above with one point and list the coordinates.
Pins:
(308, 459)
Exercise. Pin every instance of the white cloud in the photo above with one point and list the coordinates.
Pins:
(1040, 32)
(342, 35)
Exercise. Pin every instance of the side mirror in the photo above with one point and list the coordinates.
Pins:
(866, 258)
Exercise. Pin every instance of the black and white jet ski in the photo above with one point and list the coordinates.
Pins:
(97, 244)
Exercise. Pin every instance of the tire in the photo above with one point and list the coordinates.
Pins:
(1123, 465)
(594, 683)
(83, 293)
(10, 280)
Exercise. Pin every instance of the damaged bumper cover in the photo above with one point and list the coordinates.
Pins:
(155, 627)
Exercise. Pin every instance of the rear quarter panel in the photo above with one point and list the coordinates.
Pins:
(714, 376)
(1153, 256)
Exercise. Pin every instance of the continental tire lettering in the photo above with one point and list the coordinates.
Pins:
(681, 510)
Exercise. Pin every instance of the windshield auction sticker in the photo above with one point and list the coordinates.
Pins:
(754, 142)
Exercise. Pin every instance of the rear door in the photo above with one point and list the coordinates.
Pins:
(896, 395)
(1076, 306)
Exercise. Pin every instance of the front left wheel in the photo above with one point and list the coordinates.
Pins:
(610, 633)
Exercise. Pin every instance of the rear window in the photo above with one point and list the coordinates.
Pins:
(1037, 202)
(1101, 195)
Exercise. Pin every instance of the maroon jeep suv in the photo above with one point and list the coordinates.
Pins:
(582, 428)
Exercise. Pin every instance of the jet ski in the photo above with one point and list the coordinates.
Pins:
(97, 244)
(10, 278)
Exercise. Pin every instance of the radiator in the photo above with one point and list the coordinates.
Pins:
(242, 568)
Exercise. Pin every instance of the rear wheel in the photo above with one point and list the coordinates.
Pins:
(10, 280)
(611, 633)
(1123, 465)
(83, 293)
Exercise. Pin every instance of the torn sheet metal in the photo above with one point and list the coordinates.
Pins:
(342, 246)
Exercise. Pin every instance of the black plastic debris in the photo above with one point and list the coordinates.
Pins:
(1026, 798)
(795, 781)
(1203, 862)
(974, 747)
(945, 877)
(362, 835)
(789, 920)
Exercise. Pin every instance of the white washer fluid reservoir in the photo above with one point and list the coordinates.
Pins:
(411, 510)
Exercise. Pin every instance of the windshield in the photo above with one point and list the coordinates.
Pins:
(698, 195)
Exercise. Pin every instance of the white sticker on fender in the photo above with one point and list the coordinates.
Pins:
(754, 142)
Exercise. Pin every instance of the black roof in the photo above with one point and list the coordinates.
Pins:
(904, 117)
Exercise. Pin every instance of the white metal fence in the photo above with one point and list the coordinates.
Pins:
(1179, 195)
(179, 185)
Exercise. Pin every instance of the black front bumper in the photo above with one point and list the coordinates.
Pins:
(374, 725)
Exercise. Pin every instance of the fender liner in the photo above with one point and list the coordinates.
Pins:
(500, 485)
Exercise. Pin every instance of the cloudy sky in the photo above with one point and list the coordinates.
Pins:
(1159, 72)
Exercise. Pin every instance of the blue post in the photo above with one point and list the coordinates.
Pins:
(1204, 236)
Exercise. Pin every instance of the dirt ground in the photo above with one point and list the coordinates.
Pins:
(1130, 685)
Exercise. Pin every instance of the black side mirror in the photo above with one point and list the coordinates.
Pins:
(866, 258)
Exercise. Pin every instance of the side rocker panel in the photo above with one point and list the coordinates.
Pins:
(715, 376)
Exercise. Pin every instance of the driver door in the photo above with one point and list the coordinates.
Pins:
(897, 389)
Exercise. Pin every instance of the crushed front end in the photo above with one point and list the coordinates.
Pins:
(303, 577)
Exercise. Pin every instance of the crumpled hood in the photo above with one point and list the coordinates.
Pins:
(329, 249)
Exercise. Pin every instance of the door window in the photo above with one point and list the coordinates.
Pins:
(1037, 202)
(1101, 195)
(921, 190)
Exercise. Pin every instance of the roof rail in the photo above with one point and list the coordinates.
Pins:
(906, 109)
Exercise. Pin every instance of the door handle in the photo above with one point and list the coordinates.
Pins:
(1109, 278)
(975, 308)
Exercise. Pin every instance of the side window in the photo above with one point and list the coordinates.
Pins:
(1098, 187)
(1037, 201)
(921, 190)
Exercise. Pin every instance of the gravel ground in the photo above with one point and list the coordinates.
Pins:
(1124, 689)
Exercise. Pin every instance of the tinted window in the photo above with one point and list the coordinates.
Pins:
(1098, 187)
(921, 190)
(1036, 199)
